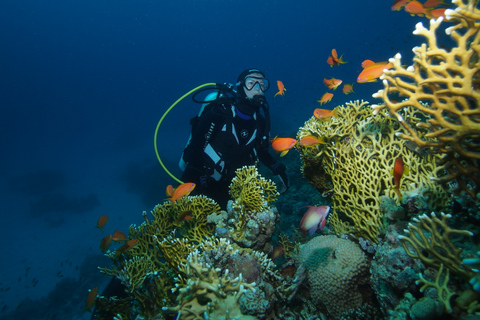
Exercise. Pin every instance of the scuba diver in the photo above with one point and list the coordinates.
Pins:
(230, 133)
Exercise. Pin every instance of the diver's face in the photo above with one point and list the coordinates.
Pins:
(253, 81)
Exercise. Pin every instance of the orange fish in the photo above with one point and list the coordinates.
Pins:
(92, 296)
(433, 3)
(169, 191)
(399, 4)
(311, 141)
(347, 88)
(398, 169)
(128, 245)
(281, 89)
(327, 97)
(181, 191)
(106, 242)
(372, 71)
(185, 215)
(436, 13)
(283, 145)
(119, 236)
(313, 218)
(415, 7)
(334, 60)
(276, 253)
(322, 114)
(332, 83)
(102, 221)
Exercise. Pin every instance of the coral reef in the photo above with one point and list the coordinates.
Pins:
(431, 241)
(163, 244)
(365, 146)
(204, 293)
(208, 295)
(249, 219)
(336, 272)
(443, 85)
(475, 280)
(393, 274)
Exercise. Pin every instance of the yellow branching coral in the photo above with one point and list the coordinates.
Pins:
(251, 191)
(445, 86)
(359, 158)
(441, 285)
(206, 293)
(430, 241)
(251, 194)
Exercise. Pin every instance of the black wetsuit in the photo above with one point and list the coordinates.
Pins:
(223, 140)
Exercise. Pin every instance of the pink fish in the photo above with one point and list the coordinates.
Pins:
(314, 217)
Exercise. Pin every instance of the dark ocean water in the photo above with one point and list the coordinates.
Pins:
(83, 84)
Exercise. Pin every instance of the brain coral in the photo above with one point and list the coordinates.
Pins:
(337, 270)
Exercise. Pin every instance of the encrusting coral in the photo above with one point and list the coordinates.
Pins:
(444, 85)
(358, 157)
(337, 272)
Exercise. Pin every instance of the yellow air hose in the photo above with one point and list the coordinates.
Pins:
(160, 122)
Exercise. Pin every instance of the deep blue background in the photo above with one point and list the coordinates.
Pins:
(83, 84)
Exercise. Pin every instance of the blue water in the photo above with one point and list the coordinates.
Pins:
(83, 84)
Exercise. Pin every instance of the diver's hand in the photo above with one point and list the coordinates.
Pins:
(283, 180)
(280, 170)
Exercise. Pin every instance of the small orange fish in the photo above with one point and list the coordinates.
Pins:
(399, 4)
(332, 83)
(119, 236)
(433, 3)
(334, 60)
(181, 191)
(169, 191)
(322, 114)
(283, 145)
(92, 296)
(327, 97)
(102, 221)
(276, 253)
(281, 89)
(128, 245)
(185, 215)
(398, 169)
(105, 243)
(415, 8)
(313, 218)
(436, 13)
(311, 141)
(347, 88)
(372, 71)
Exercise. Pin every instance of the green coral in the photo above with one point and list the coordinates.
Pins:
(318, 257)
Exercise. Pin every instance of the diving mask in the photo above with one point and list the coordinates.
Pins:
(251, 81)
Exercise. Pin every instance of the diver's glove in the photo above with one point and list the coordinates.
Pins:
(279, 170)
